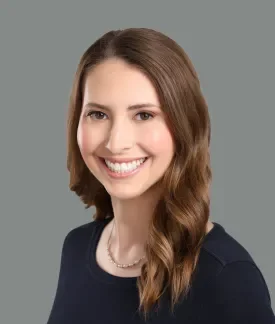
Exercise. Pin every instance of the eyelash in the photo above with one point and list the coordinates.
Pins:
(90, 113)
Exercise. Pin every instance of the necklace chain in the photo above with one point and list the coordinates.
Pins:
(113, 261)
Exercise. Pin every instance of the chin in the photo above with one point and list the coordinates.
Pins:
(125, 193)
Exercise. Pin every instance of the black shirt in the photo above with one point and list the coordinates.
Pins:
(228, 286)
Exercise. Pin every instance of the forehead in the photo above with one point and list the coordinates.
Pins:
(114, 80)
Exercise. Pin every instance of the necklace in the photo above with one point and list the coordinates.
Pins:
(113, 261)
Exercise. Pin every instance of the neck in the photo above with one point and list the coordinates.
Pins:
(131, 223)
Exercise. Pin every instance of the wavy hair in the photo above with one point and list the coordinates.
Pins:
(179, 220)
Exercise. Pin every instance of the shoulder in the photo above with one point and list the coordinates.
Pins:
(220, 245)
(79, 235)
(239, 293)
(228, 258)
(220, 249)
(234, 284)
(87, 227)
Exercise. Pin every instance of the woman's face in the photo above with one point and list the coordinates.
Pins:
(115, 133)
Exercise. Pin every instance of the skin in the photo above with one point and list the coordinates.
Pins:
(117, 132)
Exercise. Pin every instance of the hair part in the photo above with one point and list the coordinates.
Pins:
(179, 220)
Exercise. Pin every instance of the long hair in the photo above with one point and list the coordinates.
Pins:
(179, 220)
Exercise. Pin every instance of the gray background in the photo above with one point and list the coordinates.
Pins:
(231, 44)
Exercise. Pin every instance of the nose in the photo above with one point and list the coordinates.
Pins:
(120, 138)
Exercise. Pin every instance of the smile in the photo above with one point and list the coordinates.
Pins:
(124, 169)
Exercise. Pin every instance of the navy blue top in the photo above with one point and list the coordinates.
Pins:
(228, 287)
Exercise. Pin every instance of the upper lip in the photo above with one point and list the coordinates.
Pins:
(122, 160)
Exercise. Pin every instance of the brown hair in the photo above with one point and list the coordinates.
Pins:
(179, 221)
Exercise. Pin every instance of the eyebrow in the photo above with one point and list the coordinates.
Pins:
(131, 107)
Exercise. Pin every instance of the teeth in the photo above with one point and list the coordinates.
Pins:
(124, 167)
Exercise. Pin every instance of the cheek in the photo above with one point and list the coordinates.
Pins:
(159, 140)
(85, 140)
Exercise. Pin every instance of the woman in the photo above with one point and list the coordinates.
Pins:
(138, 150)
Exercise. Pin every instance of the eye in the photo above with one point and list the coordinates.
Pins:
(96, 114)
(146, 115)
(99, 115)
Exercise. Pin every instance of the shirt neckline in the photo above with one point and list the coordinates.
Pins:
(94, 267)
(106, 277)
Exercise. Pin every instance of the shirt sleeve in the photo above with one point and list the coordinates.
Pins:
(241, 295)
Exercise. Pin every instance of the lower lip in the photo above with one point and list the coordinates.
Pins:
(117, 175)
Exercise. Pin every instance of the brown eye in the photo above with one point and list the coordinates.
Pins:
(145, 115)
(96, 114)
